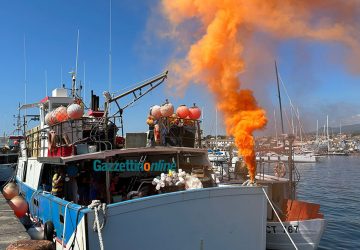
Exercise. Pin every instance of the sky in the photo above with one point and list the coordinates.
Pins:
(43, 34)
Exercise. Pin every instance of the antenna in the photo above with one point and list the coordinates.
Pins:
(25, 74)
(110, 61)
(25, 68)
(61, 75)
(46, 84)
(76, 63)
(84, 95)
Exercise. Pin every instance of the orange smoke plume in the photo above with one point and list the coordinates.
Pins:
(215, 56)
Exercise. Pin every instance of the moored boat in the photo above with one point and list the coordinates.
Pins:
(291, 222)
(90, 188)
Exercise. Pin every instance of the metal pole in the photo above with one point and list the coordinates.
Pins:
(279, 96)
(291, 167)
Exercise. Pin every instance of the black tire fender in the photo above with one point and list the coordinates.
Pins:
(49, 231)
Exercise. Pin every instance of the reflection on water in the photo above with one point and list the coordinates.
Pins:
(334, 182)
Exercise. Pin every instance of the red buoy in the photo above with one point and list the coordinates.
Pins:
(19, 205)
(182, 111)
(10, 190)
(194, 112)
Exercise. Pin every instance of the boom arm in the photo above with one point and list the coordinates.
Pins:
(146, 86)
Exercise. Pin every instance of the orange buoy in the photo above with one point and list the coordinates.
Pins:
(155, 112)
(194, 112)
(150, 120)
(167, 109)
(182, 111)
(19, 205)
(10, 190)
(53, 119)
(61, 114)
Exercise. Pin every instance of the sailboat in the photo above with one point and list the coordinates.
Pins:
(291, 223)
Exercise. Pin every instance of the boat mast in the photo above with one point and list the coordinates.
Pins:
(216, 131)
(340, 127)
(290, 138)
(279, 96)
(25, 74)
(276, 134)
(327, 133)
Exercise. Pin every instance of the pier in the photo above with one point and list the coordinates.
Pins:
(11, 229)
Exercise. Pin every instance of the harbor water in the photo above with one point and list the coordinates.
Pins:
(333, 182)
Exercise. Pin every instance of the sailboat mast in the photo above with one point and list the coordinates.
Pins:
(317, 130)
(327, 132)
(340, 127)
(216, 131)
(279, 96)
(276, 134)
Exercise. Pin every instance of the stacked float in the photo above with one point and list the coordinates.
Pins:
(177, 129)
(183, 114)
(73, 111)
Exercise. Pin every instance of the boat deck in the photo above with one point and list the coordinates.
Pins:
(11, 229)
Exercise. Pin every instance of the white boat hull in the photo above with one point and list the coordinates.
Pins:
(296, 158)
(211, 218)
(306, 234)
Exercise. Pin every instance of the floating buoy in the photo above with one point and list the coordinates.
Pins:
(75, 111)
(155, 112)
(167, 109)
(61, 114)
(182, 111)
(19, 205)
(194, 112)
(10, 190)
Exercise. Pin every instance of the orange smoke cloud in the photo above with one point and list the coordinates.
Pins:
(215, 56)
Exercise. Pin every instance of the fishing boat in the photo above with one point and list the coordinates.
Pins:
(88, 186)
(292, 223)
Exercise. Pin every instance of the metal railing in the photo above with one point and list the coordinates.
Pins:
(66, 135)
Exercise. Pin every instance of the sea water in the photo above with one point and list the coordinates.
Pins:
(334, 183)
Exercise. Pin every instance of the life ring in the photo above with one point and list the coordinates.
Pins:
(280, 169)
(49, 230)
